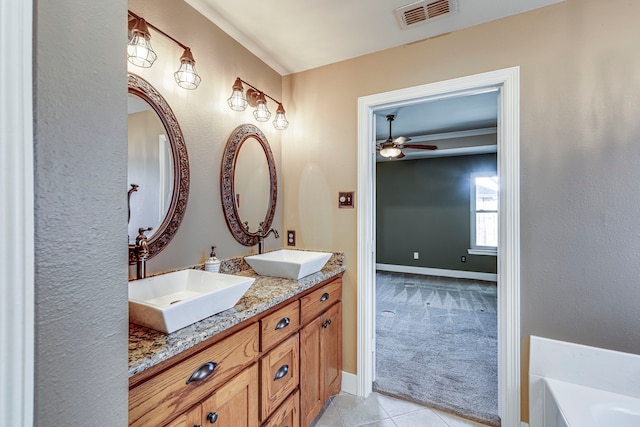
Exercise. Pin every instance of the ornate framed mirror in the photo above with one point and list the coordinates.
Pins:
(248, 184)
(158, 168)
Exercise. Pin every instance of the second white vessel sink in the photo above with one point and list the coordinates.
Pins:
(288, 264)
(171, 301)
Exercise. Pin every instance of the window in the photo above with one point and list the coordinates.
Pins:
(484, 213)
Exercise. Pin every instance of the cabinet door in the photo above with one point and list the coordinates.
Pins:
(235, 404)
(287, 414)
(191, 418)
(320, 362)
(331, 351)
(311, 395)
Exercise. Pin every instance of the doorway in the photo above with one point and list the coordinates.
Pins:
(506, 81)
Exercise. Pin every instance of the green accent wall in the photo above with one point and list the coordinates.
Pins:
(423, 206)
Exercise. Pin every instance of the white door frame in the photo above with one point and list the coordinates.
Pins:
(16, 219)
(507, 82)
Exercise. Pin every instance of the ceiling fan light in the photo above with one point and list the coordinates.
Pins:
(390, 151)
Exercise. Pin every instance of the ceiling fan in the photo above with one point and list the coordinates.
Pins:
(392, 148)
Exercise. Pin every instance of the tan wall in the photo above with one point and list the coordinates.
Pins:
(580, 102)
(206, 122)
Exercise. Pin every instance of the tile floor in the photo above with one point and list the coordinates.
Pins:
(378, 410)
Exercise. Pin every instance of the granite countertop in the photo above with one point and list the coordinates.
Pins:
(148, 347)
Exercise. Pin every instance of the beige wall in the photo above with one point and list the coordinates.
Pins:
(580, 103)
(206, 122)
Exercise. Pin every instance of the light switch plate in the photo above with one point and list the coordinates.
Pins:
(345, 199)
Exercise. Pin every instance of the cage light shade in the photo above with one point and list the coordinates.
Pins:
(261, 113)
(186, 76)
(139, 50)
(237, 101)
(390, 151)
(280, 122)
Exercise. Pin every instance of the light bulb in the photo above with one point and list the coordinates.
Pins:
(237, 101)
(186, 76)
(139, 50)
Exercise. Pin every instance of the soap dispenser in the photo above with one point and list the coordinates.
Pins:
(213, 263)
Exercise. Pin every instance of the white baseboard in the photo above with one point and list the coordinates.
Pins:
(457, 274)
(349, 383)
(523, 424)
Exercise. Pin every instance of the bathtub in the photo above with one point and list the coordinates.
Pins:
(573, 385)
(573, 405)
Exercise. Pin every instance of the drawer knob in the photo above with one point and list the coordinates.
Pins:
(283, 323)
(324, 297)
(202, 372)
(212, 417)
(284, 369)
(326, 323)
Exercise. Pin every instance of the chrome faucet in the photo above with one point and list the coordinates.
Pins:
(263, 235)
(142, 252)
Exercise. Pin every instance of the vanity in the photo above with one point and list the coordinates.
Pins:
(272, 360)
(275, 357)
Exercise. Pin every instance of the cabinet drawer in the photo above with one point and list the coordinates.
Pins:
(317, 301)
(287, 415)
(279, 324)
(169, 391)
(280, 375)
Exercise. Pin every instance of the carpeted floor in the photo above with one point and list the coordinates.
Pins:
(436, 343)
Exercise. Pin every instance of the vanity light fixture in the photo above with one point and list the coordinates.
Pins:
(186, 76)
(140, 53)
(257, 99)
(139, 50)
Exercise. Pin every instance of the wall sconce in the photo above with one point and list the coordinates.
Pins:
(140, 53)
(257, 99)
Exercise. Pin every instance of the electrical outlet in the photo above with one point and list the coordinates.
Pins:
(291, 238)
(463, 258)
(416, 255)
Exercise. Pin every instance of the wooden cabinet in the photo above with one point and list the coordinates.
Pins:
(278, 325)
(235, 404)
(320, 358)
(191, 418)
(275, 370)
(280, 375)
(287, 415)
(168, 394)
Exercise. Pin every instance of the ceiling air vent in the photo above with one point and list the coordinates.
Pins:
(424, 11)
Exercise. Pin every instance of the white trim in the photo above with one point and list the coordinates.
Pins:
(507, 81)
(489, 252)
(349, 383)
(16, 220)
(427, 271)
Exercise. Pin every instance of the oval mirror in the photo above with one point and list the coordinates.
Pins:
(248, 184)
(158, 168)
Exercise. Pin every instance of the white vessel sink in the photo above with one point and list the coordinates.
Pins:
(171, 301)
(287, 263)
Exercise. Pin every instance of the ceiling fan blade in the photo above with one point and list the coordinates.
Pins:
(401, 140)
(420, 146)
(399, 156)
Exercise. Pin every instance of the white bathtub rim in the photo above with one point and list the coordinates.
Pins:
(575, 402)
